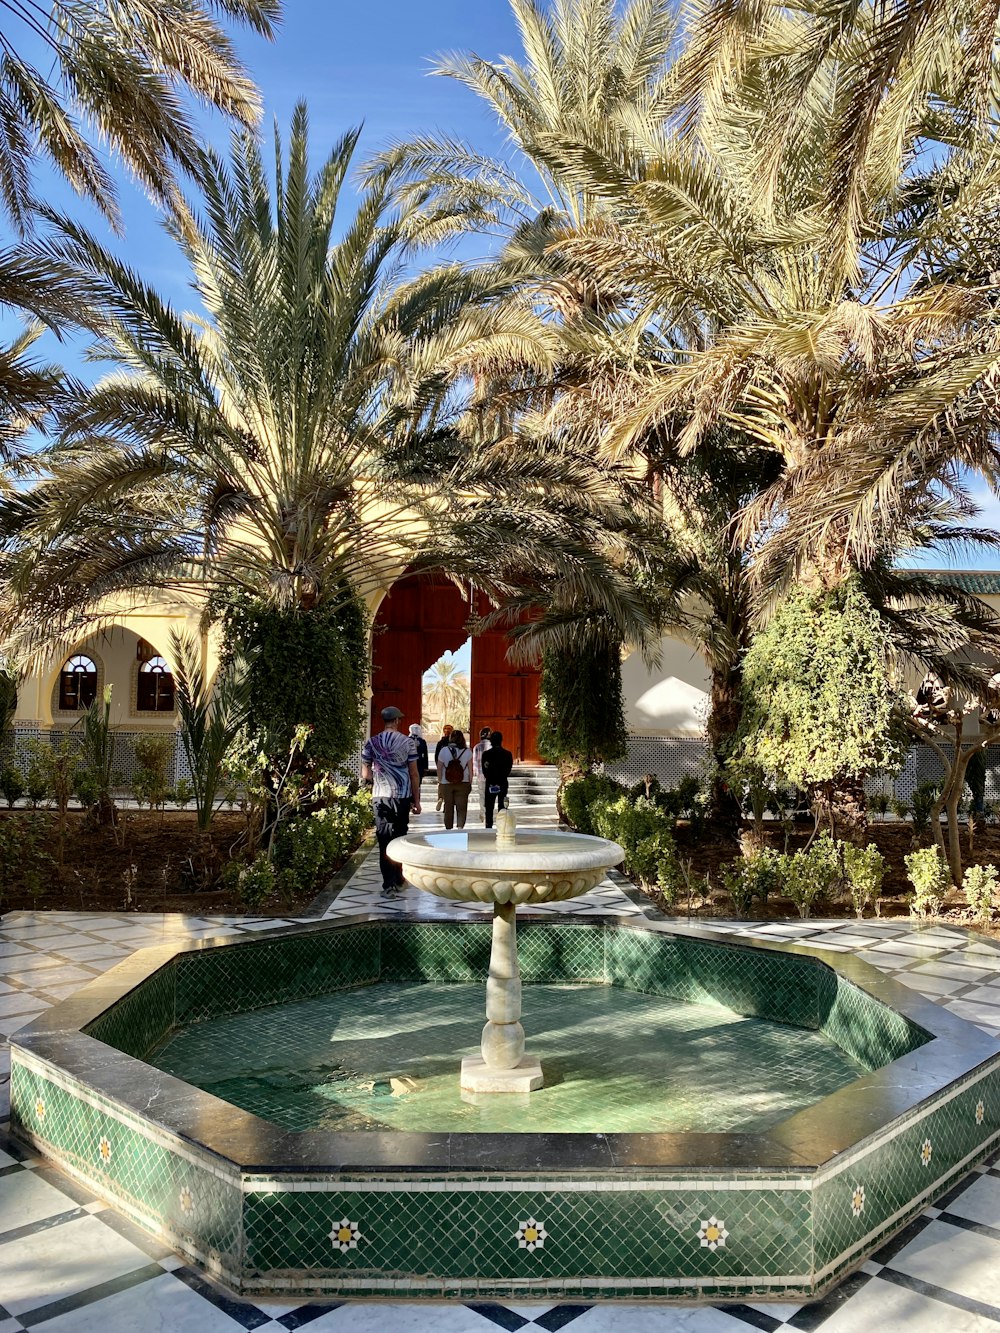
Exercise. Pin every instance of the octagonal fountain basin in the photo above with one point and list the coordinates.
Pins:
(718, 1120)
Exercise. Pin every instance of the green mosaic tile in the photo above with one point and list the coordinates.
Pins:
(652, 964)
(879, 1189)
(561, 953)
(755, 982)
(871, 1032)
(447, 952)
(759, 982)
(246, 976)
(140, 1019)
(476, 1234)
(142, 1177)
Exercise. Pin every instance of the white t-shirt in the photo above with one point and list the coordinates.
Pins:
(450, 752)
(477, 756)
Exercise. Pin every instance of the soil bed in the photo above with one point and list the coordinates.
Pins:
(894, 840)
(170, 858)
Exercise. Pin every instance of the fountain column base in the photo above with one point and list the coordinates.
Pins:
(478, 1076)
(502, 1065)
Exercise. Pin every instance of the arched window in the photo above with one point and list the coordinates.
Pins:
(155, 691)
(77, 683)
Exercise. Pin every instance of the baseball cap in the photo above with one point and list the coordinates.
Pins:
(391, 714)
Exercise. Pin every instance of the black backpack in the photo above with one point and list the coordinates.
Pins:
(455, 771)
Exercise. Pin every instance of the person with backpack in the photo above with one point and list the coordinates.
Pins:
(496, 765)
(455, 779)
(446, 731)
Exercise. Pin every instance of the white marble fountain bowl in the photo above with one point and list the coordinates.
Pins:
(469, 865)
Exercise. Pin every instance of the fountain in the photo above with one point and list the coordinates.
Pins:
(480, 866)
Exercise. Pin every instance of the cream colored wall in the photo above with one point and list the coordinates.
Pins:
(113, 649)
(672, 698)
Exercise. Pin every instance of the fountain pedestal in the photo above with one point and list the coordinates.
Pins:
(507, 870)
(503, 1065)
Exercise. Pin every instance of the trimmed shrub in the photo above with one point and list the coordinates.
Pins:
(11, 786)
(864, 868)
(812, 873)
(307, 850)
(980, 888)
(930, 877)
(577, 798)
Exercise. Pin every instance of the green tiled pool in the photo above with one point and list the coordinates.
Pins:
(387, 1057)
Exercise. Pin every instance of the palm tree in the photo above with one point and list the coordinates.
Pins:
(918, 63)
(874, 395)
(121, 67)
(594, 71)
(446, 693)
(304, 438)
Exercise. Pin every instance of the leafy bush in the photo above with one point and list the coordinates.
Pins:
(255, 883)
(930, 877)
(901, 808)
(183, 793)
(751, 877)
(764, 872)
(879, 803)
(738, 886)
(59, 764)
(151, 784)
(577, 798)
(670, 878)
(36, 784)
(864, 868)
(23, 852)
(812, 873)
(307, 850)
(85, 788)
(11, 786)
(644, 830)
(923, 803)
(980, 889)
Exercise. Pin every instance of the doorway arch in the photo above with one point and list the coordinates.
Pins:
(424, 616)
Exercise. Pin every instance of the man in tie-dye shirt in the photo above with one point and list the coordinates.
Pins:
(389, 764)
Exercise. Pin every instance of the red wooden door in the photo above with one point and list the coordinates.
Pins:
(419, 620)
(505, 697)
(422, 618)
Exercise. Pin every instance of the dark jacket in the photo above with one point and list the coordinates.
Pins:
(497, 763)
(423, 763)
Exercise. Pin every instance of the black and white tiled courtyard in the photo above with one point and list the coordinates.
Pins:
(70, 1264)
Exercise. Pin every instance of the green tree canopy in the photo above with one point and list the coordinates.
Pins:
(820, 706)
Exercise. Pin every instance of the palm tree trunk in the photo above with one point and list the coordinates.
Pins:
(725, 711)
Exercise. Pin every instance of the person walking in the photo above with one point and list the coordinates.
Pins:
(477, 768)
(446, 731)
(455, 779)
(497, 763)
(423, 762)
(389, 766)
